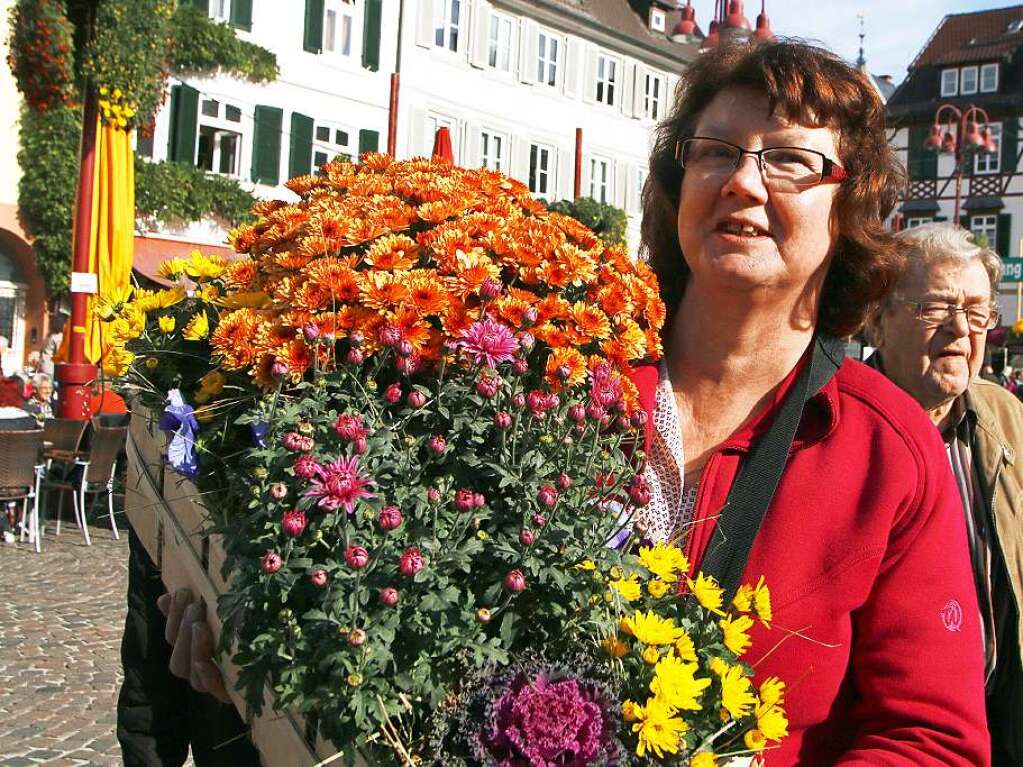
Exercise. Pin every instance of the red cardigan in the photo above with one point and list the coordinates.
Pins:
(864, 550)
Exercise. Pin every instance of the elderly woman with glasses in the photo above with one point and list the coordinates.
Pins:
(768, 453)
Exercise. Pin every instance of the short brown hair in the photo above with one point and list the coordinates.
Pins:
(813, 87)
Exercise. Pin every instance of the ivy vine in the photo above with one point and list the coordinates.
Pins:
(172, 192)
(202, 46)
(607, 222)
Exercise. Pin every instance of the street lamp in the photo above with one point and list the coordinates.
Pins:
(967, 139)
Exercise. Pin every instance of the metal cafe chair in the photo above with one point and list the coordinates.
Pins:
(93, 473)
(64, 438)
(20, 473)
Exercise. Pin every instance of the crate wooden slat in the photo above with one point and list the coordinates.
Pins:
(165, 511)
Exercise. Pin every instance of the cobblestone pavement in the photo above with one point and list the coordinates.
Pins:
(61, 619)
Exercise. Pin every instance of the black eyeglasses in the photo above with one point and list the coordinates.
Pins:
(979, 317)
(784, 168)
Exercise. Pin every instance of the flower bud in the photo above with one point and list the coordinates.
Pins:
(639, 492)
(409, 365)
(483, 616)
(390, 518)
(564, 481)
(488, 386)
(294, 522)
(356, 557)
(437, 444)
(411, 562)
(357, 338)
(354, 357)
(527, 341)
(356, 637)
(416, 399)
(464, 500)
(433, 495)
(311, 332)
(389, 335)
(594, 411)
(515, 581)
(639, 418)
(519, 366)
(547, 496)
(502, 420)
(491, 288)
(539, 520)
(270, 563)
(478, 501)
(279, 369)
(360, 445)
(563, 372)
(393, 393)
(527, 537)
(577, 413)
(319, 577)
(530, 316)
(519, 400)
(388, 596)
(278, 491)
(405, 348)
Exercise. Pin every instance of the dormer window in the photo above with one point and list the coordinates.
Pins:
(989, 78)
(968, 81)
(657, 20)
(950, 82)
(1015, 26)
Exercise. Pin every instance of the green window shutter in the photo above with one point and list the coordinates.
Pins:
(301, 159)
(923, 163)
(202, 5)
(241, 14)
(371, 35)
(1010, 140)
(369, 141)
(266, 145)
(313, 40)
(1003, 235)
(184, 124)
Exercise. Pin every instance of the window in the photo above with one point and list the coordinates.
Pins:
(337, 28)
(445, 23)
(949, 82)
(913, 223)
(541, 170)
(493, 147)
(990, 163)
(600, 180)
(652, 99)
(435, 122)
(500, 42)
(968, 81)
(330, 143)
(220, 9)
(1015, 26)
(220, 138)
(547, 60)
(641, 174)
(987, 227)
(989, 78)
(657, 19)
(607, 79)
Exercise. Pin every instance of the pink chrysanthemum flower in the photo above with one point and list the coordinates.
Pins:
(339, 484)
(489, 342)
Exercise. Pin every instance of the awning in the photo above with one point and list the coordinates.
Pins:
(150, 252)
(920, 206)
(983, 203)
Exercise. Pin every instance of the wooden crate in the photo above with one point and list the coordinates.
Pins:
(166, 513)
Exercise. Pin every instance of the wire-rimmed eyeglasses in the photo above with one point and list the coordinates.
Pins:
(979, 317)
(784, 168)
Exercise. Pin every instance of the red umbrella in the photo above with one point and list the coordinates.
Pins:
(442, 145)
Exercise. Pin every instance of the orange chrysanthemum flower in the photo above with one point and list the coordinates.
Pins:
(380, 290)
(392, 253)
(427, 294)
(565, 366)
(590, 321)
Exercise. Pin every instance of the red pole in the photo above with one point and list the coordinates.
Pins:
(577, 187)
(392, 117)
(77, 375)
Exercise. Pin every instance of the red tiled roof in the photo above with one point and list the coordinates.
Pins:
(966, 37)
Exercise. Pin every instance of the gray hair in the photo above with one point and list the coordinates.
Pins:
(39, 379)
(942, 242)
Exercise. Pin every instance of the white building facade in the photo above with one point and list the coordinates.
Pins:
(512, 80)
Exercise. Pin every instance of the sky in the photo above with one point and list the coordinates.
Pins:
(896, 30)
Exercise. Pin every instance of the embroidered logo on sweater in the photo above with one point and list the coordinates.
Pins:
(952, 615)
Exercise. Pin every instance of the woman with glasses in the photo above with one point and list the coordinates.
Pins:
(768, 453)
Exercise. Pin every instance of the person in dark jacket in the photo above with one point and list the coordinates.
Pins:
(930, 336)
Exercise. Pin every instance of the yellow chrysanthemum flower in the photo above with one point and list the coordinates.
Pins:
(587, 564)
(172, 268)
(629, 709)
(200, 267)
(208, 293)
(614, 647)
(735, 630)
(772, 690)
(166, 324)
(651, 655)
(718, 666)
(657, 588)
(659, 730)
(704, 759)
(663, 561)
(737, 696)
(685, 649)
(772, 722)
(117, 361)
(650, 628)
(112, 302)
(253, 300)
(762, 602)
(197, 328)
(629, 588)
(707, 592)
(165, 299)
(755, 740)
(675, 682)
(743, 601)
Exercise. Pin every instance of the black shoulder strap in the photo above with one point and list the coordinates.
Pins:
(760, 472)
